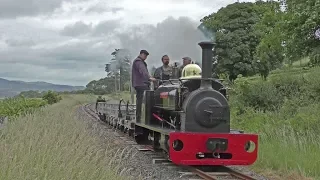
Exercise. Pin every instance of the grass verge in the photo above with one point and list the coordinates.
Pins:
(284, 111)
(51, 143)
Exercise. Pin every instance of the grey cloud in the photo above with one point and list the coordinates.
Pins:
(48, 74)
(105, 6)
(79, 28)
(16, 42)
(76, 29)
(14, 30)
(103, 9)
(40, 65)
(18, 8)
(53, 58)
(105, 27)
(116, 9)
(78, 60)
(80, 52)
(92, 52)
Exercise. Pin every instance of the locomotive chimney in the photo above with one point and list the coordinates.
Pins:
(207, 56)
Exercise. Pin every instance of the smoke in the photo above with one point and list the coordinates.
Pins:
(175, 37)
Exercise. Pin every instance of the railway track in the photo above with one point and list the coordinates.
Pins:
(226, 173)
(196, 173)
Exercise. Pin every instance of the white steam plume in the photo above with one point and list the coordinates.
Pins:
(175, 37)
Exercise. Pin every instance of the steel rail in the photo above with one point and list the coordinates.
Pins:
(202, 174)
(214, 175)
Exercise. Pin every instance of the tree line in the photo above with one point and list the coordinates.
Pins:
(251, 38)
(256, 38)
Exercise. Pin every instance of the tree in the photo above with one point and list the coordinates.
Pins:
(121, 66)
(270, 51)
(301, 22)
(236, 36)
(102, 86)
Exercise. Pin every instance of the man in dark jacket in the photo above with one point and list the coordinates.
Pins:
(140, 79)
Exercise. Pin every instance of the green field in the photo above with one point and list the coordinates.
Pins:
(284, 111)
(53, 143)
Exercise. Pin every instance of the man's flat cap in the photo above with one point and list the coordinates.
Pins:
(144, 52)
(187, 58)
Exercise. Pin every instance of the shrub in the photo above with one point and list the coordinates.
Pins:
(271, 95)
(51, 97)
(260, 96)
(14, 107)
(315, 57)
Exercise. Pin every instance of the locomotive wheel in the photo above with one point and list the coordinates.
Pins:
(121, 128)
(141, 139)
(141, 135)
(130, 132)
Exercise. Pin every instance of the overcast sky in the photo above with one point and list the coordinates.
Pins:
(69, 41)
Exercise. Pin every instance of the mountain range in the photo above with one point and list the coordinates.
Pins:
(9, 88)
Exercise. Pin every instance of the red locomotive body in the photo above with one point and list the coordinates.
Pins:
(196, 149)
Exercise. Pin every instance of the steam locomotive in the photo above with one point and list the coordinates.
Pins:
(187, 118)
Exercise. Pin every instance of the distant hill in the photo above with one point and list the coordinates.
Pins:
(10, 88)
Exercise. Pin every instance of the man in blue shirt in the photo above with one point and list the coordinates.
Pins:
(140, 79)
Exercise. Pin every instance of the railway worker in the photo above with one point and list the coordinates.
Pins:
(164, 72)
(140, 79)
(186, 61)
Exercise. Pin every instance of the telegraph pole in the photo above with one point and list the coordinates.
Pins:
(121, 78)
(115, 82)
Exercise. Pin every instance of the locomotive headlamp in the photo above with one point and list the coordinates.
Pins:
(249, 146)
(217, 144)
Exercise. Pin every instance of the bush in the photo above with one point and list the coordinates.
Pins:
(51, 97)
(273, 94)
(260, 96)
(315, 57)
(17, 106)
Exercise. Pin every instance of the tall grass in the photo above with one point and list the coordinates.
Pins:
(52, 143)
(284, 111)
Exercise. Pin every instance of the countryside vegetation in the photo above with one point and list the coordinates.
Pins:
(268, 56)
(53, 143)
(14, 107)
